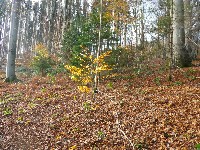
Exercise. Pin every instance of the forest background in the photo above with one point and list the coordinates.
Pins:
(122, 74)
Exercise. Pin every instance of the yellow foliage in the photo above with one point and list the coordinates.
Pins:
(86, 80)
(118, 10)
(84, 74)
(84, 89)
(73, 147)
(74, 70)
(103, 68)
(41, 50)
(101, 58)
(95, 107)
(58, 137)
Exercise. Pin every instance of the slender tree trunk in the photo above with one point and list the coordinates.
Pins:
(6, 26)
(27, 38)
(35, 25)
(51, 25)
(136, 22)
(85, 8)
(96, 78)
(188, 19)
(142, 25)
(10, 67)
(125, 33)
(1, 44)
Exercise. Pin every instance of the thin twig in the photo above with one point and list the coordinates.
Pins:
(117, 121)
(194, 42)
(126, 137)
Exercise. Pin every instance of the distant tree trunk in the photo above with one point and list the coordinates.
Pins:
(5, 17)
(1, 44)
(27, 38)
(195, 27)
(136, 11)
(65, 6)
(52, 19)
(58, 28)
(35, 25)
(20, 36)
(43, 19)
(67, 15)
(181, 57)
(188, 20)
(10, 67)
(142, 25)
(85, 8)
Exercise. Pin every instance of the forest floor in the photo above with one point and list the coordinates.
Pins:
(145, 111)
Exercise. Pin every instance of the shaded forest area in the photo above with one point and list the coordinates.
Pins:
(101, 74)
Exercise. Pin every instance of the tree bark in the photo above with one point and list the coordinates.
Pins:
(188, 19)
(10, 67)
(181, 56)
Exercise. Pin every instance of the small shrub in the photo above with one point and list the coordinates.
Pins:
(85, 73)
(87, 106)
(191, 78)
(100, 134)
(189, 73)
(21, 110)
(141, 145)
(157, 81)
(42, 61)
(7, 111)
(197, 146)
(110, 85)
(31, 105)
(178, 83)
(19, 119)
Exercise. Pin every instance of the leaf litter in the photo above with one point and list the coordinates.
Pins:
(134, 113)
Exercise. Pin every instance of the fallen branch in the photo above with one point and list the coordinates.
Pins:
(117, 122)
(126, 137)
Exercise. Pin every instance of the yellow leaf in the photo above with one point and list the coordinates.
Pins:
(84, 89)
(95, 108)
(58, 137)
(73, 147)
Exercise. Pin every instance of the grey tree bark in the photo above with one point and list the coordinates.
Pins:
(52, 18)
(5, 18)
(181, 56)
(10, 67)
(187, 21)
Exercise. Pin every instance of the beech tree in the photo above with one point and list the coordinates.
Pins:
(181, 56)
(10, 67)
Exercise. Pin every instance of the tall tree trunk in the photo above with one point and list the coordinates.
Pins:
(10, 67)
(142, 25)
(181, 57)
(52, 25)
(188, 19)
(6, 25)
(27, 38)
(35, 25)
(85, 8)
(136, 22)
(1, 43)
